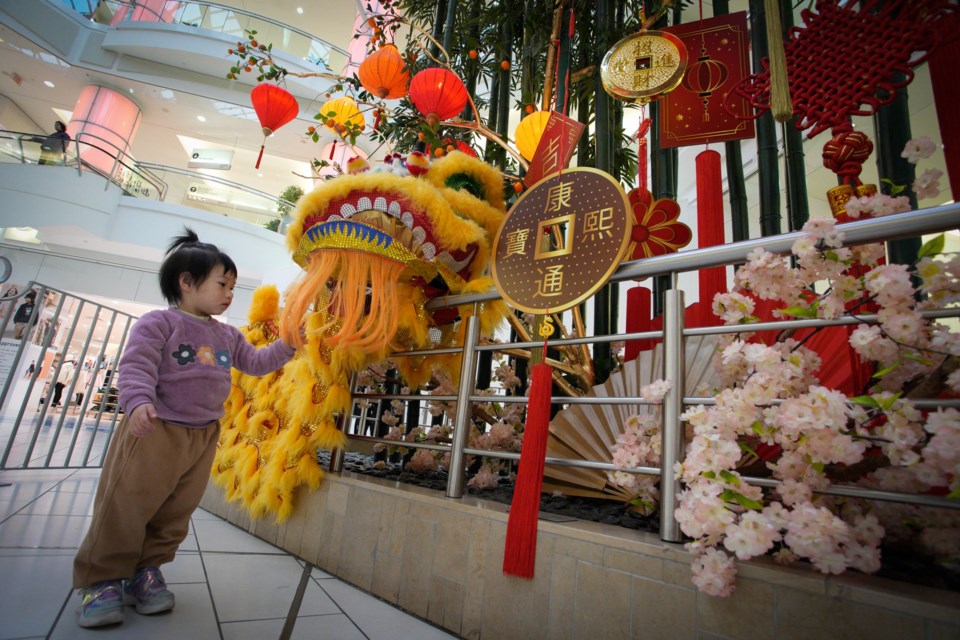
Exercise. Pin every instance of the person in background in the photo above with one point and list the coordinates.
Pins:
(66, 374)
(30, 369)
(9, 294)
(54, 146)
(24, 311)
(174, 377)
(82, 382)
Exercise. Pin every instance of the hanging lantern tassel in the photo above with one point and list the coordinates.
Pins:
(266, 134)
(642, 153)
(520, 550)
(780, 103)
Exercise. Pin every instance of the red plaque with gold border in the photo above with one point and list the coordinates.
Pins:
(694, 112)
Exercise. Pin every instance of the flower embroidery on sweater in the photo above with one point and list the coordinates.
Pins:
(184, 354)
(204, 355)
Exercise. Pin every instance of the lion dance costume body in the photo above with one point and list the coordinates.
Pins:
(375, 246)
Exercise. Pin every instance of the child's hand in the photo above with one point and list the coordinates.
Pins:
(291, 341)
(143, 420)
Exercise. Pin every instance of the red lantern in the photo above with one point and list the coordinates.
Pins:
(384, 73)
(438, 94)
(275, 107)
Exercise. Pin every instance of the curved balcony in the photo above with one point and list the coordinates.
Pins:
(162, 183)
(210, 16)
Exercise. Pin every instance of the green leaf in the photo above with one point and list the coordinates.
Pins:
(955, 493)
(883, 372)
(757, 427)
(887, 403)
(747, 503)
(800, 312)
(730, 478)
(894, 187)
(709, 475)
(818, 466)
(866, 401)
(932, 247)
(832, 255)
(747, 449)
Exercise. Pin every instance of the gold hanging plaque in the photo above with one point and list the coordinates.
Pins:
(561, 241)
(644, 66)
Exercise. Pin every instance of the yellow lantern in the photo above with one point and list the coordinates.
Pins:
(529, 131)
(339, 113)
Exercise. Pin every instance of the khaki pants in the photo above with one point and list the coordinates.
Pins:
(149, 488)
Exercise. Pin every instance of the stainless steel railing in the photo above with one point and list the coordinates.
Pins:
(91, 153)
(60, 327)
(905, 225)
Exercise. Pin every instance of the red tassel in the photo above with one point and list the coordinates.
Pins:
(709, 228)
(259, 157)
(520, 551)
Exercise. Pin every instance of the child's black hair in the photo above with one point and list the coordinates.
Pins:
(186, 254)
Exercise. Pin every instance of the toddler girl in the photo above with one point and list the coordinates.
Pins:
(174, 377)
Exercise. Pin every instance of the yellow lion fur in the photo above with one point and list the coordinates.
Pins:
(362, 310)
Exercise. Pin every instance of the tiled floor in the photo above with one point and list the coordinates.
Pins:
(229, 585)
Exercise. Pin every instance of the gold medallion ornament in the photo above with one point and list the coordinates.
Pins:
(644, 66)
(561, 241)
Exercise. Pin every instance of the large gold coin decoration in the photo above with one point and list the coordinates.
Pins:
(644, 66)
(537, 273)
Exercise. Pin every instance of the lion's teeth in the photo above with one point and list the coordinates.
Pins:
(420, 235)
(380, 204)
(407, 219)
(347, 210)
(394, 209)
(428, 250)
(363, 204)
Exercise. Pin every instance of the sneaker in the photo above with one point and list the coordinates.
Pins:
(101, 604)
(148, 591)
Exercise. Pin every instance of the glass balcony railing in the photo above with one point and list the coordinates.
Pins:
(88, 153)
(211, 16)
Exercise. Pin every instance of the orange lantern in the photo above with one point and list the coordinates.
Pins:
(384, 73)
(438, 94)
(275, 107)
(529, 132)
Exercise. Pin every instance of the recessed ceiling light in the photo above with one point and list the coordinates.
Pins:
(201, 119)
(259, 175)
(299, 9)
(49, 84)
(131, 89)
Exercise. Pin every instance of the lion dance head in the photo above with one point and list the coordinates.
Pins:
(375, 246)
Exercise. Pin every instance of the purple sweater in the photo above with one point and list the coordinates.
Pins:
(181, 364)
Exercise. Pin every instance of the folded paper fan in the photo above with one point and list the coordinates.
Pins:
(588, 431)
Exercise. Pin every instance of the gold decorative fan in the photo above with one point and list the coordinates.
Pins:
(588, 432)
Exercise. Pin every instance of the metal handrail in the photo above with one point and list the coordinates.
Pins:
(905, 225)
(894, 227)
(146, 170)
(72, 152)
(280, 202)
